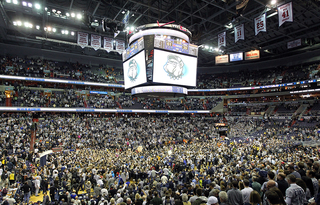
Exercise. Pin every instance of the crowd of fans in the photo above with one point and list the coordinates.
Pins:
(24, 97)
(247, 78)
(51, 69)
(75, 71)
(154, 159)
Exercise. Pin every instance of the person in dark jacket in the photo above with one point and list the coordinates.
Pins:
(46, 199)
(282, 183)
(26, 190)
(156, 199)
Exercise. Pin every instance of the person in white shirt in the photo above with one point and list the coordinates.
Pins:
(295, 195)
(99, 181)
(37, 185)
(104, 192)
(246, 192)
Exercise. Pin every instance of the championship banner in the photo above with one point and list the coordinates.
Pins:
(95, 42)
(108, 44)
(83, 39)
(260, 24)
(222, 39)
(239, 33)
(285, 13)
(120, 46)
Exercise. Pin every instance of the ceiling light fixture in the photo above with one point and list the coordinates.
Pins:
(37, 6)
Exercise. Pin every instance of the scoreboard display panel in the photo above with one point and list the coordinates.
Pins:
(175, 45)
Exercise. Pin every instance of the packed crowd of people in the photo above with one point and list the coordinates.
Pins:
(153, 159)
(75, 71)
(246, 78)
(24, 97)
(52, 69)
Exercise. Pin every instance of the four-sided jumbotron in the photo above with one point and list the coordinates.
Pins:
(160, 61)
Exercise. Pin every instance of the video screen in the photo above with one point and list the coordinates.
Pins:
(236, 57)
(173, 68)
(134, 70)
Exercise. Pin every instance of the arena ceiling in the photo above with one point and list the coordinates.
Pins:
(204, 18)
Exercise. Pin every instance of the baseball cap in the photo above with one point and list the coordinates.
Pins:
(212, 200)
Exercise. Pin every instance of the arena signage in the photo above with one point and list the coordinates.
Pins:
(222, 59)
(28, 109)
(60, 81)
(251, 55)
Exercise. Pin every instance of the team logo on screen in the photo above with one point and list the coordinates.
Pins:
(174, 67)
(133, 70)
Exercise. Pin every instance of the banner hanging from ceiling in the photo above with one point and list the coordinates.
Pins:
(260, 24)
(95, 42)
(83, 39)
(285, 13)
(108, 44)
(222, 39)
(120, 46)
(239, 33)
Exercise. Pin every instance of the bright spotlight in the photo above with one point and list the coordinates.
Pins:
(66, 32)
(8, 1)
(131, 28)
(58, 12)
(28, 25)
(273, 2)
(72, 33)
(15, 23)
(30, 5)
(62, 31)
(73, 15)
(54, 11)
(37, 27)
(24, 3)
(49, 29)
(79, 16)
(67, 14)
(54, 29)
(37, 6)
(15, 1)
(19, 23)
(206, 47)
